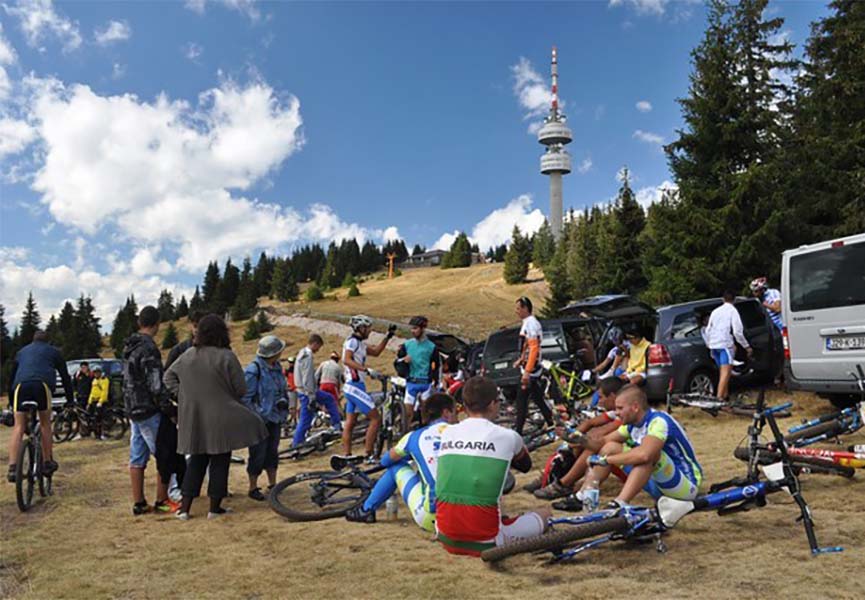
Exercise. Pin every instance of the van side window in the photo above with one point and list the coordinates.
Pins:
(829, 278)
(751, 314)
(685, 325)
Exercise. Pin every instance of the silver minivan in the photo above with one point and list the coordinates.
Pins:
(823, 307)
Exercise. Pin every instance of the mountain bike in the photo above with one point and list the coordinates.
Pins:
(827, 427)
(567, 537)
(28, 468)
(321, 495)
(74, 419)
(738, 406)
(565, 387)
(390, 402)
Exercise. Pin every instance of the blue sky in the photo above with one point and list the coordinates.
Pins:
(138, 140)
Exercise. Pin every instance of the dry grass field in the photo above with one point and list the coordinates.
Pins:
(84, 542)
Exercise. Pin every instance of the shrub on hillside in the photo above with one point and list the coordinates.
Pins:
(353, 291)
(314, 293)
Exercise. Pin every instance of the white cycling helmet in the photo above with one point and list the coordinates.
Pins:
(758, 284)
(359, 321)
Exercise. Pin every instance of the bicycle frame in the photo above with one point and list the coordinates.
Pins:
(855, 460)
(850, 420)
(568, 383)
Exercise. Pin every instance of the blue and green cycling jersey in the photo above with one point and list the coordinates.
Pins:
(421, 352)
(677, 468)
(422, 446)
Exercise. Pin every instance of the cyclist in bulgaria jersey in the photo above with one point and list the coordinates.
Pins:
(357, 400)
(419, 354)
(652, 447)
(417, 485)
(531, 334)
(473, 464)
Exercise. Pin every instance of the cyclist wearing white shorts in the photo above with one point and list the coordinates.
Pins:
(422, 360)
(357, 400)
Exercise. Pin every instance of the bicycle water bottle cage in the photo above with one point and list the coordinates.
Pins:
(671, 510)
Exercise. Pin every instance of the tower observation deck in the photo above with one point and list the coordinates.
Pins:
(556, 161)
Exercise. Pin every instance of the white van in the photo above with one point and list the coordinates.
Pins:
(823, 306)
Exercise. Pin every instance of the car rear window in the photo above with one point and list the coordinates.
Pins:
(829, 278)
(751, 314)
(502, 343)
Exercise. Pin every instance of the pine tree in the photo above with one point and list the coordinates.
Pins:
(353, 290)
(69, 333)
(182, 308)
(460, 253)
(251, 332)
(261, 276)
(581, 245)
(556, 274)
(370, 257)
(125, 324)
(331, 276)
(210, 288)
(284, 286)
(314, 293)
(197, 302)
(418, 249)
(501, 252)
(517, 258)
(30, 320)
(52, 330)
(625, 223)
(348, 280)
(165, 306)
(169, 340)
(7, 350)
(90, 337)
(229, 286)
(263, 322)
(543, 246)
(247, 298)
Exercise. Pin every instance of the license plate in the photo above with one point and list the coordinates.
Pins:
(846, 343)
(501, 365)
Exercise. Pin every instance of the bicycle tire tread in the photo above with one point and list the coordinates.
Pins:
(556, 539)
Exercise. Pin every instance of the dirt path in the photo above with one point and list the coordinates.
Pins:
(333, 328)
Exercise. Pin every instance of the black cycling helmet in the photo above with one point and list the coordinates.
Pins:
(418, 321)
(632, 329)
(616, 336)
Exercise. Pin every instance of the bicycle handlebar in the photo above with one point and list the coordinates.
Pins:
(777, 409)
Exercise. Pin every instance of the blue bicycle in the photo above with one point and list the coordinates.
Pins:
(568, 537)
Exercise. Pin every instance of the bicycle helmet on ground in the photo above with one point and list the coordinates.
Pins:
(359, 321)
(418, 321)
(758, 284)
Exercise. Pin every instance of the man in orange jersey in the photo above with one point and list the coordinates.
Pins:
(529, 362)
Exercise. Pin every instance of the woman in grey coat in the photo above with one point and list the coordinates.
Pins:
(208, 382)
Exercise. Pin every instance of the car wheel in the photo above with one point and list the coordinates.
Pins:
(701, 382)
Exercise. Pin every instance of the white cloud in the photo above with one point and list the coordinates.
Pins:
(246, 7)
(644, 106)
(115, 31)
(391, 234)
(681, 9)
(5, 85)
(648, 137)
(7, 52)
(649, 195)
(15, 135)
(533, 93)
(193, 51)
(585, 166)
(496, 228)
(146, 261)
(118, 71)
(643, 7)
(38, 19)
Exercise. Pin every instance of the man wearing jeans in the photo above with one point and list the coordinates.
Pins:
(143, 394)
(308, 394)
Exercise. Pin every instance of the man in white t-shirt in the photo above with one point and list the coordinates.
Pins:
(531, 334)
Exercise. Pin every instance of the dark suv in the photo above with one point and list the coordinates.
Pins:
(692, 368)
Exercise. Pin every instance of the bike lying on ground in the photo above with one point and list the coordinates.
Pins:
(739, 406)
(828, 427)
(28, 468)
(567, 536)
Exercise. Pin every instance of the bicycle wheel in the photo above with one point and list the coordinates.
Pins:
(816, 430)
(318, 495)
(63, 429)
(554, 540)
(803, 464)
(25, 474)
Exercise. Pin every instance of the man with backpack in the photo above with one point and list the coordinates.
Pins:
(144, 396)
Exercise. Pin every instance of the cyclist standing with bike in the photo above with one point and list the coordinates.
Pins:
(419, 354)
(33, 380)
(531, 334)
(357, 400)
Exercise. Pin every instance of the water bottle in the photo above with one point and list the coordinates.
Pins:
(591, 496)
(392, 508)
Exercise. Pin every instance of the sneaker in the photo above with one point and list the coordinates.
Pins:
(166, 506)
(10, 475)
(215, 514)
(49, 467)
(359, 515)
(175, 494)
(570, 503)
(257, 495)
(141, 508)
(552, 491)
(533, 485)
(182, 516)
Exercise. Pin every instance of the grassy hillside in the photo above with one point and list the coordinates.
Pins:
(470, 302)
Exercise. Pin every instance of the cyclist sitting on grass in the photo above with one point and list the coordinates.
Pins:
(588, 439)
(651, 447)
(473, 465)
(638, 356)
(98, 399)
(357, 400)
(609, 367)
(416, 484)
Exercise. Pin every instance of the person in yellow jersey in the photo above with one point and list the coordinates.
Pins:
(638, 356)
(97, 400)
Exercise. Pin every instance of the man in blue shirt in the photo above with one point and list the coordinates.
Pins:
(416, 485)
(33, 380)
(422, 359)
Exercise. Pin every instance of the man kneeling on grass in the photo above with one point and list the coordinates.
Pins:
(652, 447)
(417, 487)
(473, 466)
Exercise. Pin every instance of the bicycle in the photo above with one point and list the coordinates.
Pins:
(321, 495)
(28, 468)
(390, 401)
(714, 406)
(634, 523)
(74, 419)
(563, 386)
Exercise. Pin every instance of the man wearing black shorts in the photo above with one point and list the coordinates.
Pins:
(33, 380)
